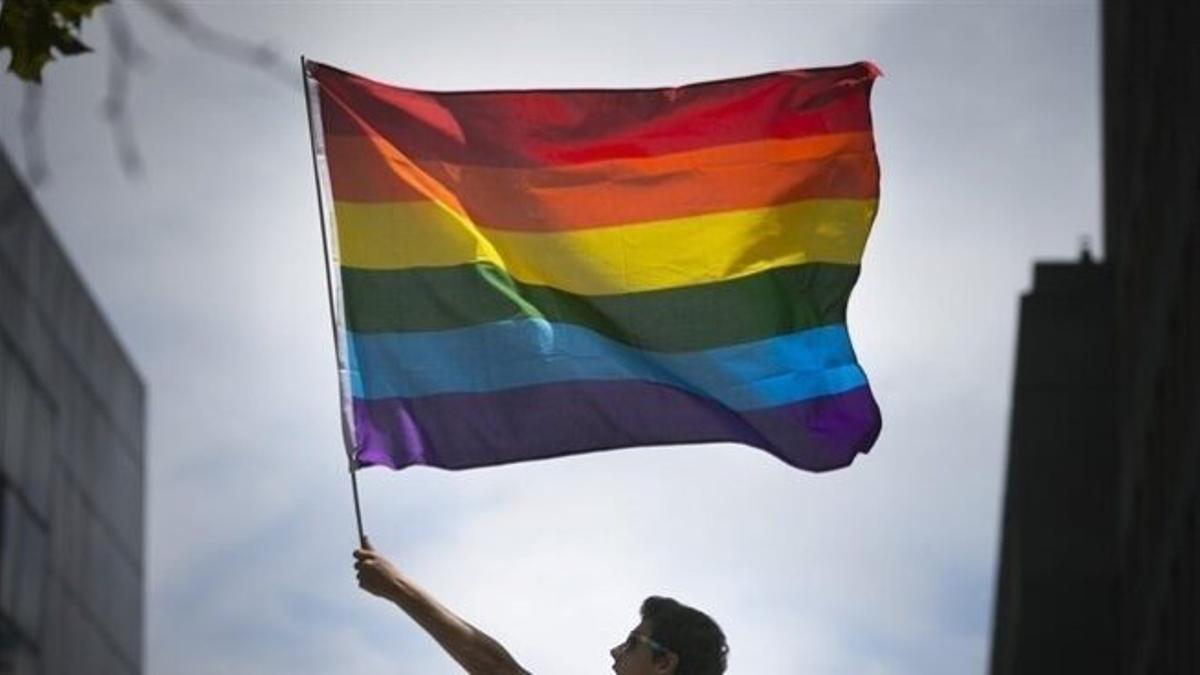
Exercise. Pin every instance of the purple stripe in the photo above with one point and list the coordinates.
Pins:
(458, 431)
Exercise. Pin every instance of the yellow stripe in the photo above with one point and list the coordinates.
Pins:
(620, 259)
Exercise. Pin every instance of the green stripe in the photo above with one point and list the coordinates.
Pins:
(773, 302)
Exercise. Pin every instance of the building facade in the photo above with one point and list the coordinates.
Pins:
(72, 476)
(1152, 231)
(1144, 522)
(1056, 592)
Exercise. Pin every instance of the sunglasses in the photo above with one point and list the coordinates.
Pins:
(632, 641)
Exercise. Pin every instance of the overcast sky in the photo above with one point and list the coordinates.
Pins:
(209, 268)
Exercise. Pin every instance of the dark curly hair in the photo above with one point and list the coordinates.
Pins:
(691, 634)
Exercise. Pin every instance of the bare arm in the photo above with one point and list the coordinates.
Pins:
(473, 649)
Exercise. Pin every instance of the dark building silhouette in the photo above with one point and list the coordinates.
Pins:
(1055, 599)
(72, 474)
(1152, 231)
(1100, 543)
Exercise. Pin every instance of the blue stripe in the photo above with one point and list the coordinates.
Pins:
(523, 352)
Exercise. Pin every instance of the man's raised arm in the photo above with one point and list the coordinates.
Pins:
(473, 649)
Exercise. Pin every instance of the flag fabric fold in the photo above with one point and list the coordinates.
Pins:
(518, 275)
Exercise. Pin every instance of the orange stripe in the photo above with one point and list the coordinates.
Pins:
(613, 192)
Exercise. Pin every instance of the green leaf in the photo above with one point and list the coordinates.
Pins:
(32, 30)
(75, 11)
(69, 45)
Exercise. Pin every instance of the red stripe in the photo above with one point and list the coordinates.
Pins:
(555, 127)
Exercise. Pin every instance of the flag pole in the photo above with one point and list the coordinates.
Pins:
(362, 538)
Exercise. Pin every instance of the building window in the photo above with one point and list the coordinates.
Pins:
(22, 566)
(27, 432)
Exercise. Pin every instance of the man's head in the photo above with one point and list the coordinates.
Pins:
(672, 639)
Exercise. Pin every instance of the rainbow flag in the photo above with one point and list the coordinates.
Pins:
(517, 275)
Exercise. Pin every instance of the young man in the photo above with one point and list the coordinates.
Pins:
(672, 639)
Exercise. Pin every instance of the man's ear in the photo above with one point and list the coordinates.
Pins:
(665, 664)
